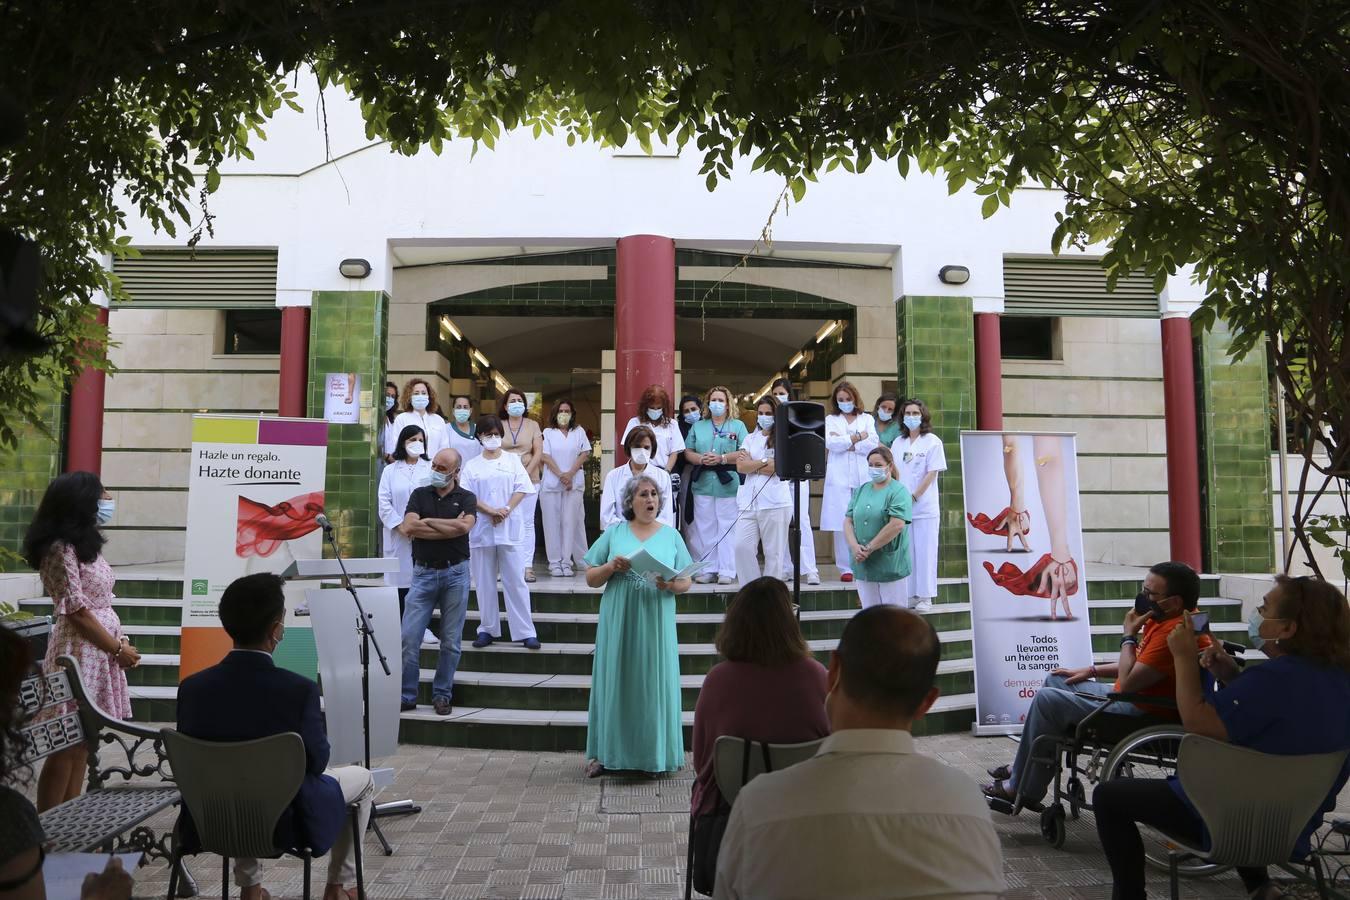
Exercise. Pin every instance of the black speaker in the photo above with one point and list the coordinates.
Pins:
(799, 440)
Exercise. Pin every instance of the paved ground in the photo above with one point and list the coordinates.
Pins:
(505, 824)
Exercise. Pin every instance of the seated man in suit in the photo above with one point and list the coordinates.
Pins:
(244, 697)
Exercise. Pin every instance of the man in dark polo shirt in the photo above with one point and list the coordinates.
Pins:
(438, 519)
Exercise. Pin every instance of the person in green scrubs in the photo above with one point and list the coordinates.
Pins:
(886, 412)
(713, 447)
(876, 526)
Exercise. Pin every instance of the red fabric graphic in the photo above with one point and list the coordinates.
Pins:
(986, 524)
(1025, 584)
(261, 529)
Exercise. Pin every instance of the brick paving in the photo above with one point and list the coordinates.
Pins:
(509, 824)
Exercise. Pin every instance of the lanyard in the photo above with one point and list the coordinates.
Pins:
(515, 434)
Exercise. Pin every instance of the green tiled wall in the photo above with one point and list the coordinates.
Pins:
(25, 473)
(935, 356)
(347, 333)
(1235, 444)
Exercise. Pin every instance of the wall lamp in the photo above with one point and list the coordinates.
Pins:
(953, 274)
(354, 268)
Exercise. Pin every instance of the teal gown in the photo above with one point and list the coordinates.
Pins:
(634, 720)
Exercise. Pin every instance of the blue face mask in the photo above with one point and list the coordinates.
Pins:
(420, 401)
(717, 408)
(878, 473)
(461, 416)
(913, 422)
(105, 511)
(765, 422)
(884, 415)
(655, 414)
(439, 479)
(845, 406)
(691, 417)
(1254, 623)
(515, 409)
(388, 403)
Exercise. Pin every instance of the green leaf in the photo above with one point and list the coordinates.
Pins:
(989, 206)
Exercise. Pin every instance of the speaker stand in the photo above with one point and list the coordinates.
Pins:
(795, 543)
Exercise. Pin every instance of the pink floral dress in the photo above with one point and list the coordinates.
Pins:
(73, 586)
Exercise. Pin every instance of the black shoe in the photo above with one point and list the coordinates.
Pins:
(482, 640)
(531, 643)
(406, 706)
(442, 706)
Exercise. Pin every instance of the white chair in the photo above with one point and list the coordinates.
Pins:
(1254, 805)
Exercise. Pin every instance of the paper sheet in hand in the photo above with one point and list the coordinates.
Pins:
(64, 873)
(650, 566)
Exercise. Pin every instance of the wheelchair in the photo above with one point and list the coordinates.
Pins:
(1104, 746)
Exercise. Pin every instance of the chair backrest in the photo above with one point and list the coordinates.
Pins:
(736, 761)
(1255, 805)
(40, 739)
(237, 791)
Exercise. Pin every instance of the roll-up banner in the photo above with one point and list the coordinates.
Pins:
(1028, 581)
(255, 486)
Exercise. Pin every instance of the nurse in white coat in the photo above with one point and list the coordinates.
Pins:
(421, 409)
(850, 434)
(639, 445)
(782, 393)
(459, 430)
(919, 456)
(764, 502)
(500, 483)
(410, 469)
(566, 449)
(654, 411)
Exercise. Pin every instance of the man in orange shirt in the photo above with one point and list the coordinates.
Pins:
(1145, 667)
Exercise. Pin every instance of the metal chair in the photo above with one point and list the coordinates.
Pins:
(237, 792)
(735, 762)
(1259, 824)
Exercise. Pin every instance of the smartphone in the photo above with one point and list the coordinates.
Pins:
(1200, 621)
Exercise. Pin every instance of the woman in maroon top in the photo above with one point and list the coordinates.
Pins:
(769, 687)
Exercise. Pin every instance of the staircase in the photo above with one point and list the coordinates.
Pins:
(508, 697)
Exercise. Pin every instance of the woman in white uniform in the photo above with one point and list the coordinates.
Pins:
(410, 469)
(782, 393)
(764, 502)
(850, 434)
(654, 411)
(640, 446)
(919, 456)
(524, 439)
(566, 449)
(421, 409)
(459, 430)
(387, 420)
(501, 484)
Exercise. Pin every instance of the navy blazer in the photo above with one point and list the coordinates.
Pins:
(244, 697)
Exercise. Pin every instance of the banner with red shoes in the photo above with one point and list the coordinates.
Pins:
(1028, 584)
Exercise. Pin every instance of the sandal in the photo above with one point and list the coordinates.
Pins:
(1000, 773)
(998, 790)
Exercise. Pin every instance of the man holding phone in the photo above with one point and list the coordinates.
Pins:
(1145, 667)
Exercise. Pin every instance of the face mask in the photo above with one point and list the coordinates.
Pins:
(641, 455)
(105, 511)
(461, 416)
(439, 479)
(717, 408)
(845, 406)
(420, 401)
(388, 403)
(492, 442)
(564, 419)
(655, 414)
(913, 422)
(691, 417)
(765, 422)
(515, 409)
(781, 398)
(416, 448)
(884, 415)
(1143, 603)
(1254, 623)
(878, 473)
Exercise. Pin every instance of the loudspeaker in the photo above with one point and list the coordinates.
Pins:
(799, 440)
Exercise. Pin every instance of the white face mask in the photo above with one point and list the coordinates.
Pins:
(765, 422)
(420, 401)
(878, 473)
(492, 442)
(884, 414)
(641, 455)
(781, 398)
(416, 448)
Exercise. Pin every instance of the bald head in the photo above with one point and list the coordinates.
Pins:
(888, 659)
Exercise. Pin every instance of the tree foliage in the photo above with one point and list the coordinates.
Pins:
(1204, 132)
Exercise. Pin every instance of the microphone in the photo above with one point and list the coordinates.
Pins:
(323, 523)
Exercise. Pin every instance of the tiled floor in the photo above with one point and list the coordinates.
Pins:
(505, 824)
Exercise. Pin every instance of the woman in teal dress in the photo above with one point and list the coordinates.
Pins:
(876, 527)
(634, 721)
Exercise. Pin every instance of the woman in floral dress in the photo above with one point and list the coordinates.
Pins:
(63, 543)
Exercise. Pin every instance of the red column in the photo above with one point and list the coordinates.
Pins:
(1183, 429)
(644, 323)
(294, 380)
(988, 373)
(84, 433)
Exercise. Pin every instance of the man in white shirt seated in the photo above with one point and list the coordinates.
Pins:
(868, 816)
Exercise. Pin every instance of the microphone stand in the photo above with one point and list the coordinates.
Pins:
(795, 543)
(368, 640)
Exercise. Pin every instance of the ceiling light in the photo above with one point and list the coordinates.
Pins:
(450, 326)
(826, 331)
(480, 357)
(796, 359)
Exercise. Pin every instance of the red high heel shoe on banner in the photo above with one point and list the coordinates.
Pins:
(1024, 584)
(987, 525)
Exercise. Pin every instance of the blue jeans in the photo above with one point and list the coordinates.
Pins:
(448, 591)
(1056, 710)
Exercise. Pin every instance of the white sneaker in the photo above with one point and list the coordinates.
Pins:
(705, 578)
(429, 638)
(725, 579)
(923, 604)
(568, 572)
(813, 578)
(555, 571)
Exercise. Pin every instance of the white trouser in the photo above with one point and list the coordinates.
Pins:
(485, 564)
(808, 542)
(564, 527)
(843, 557)
(713, 517)
(923, 558)
(528, 506)
(769, 526)
(356, 784)
(874, 593)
